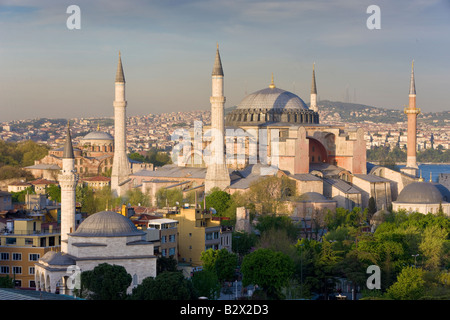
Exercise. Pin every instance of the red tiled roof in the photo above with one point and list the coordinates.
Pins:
(43, 181)
(97, 178)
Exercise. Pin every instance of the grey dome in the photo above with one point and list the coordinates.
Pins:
(272, 98)
(57, 258)
(106, 224)
(420, 192)
(313, 197)
(98, 135)
(271, 105)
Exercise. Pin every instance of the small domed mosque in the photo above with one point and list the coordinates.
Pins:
(424, 197)
(104, 237)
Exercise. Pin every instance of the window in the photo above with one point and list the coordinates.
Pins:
(4, 256)
(17, 257)
(172, 238)
(29, 241)
(10, 240)
(4, 269)
(164, 252)
(17, 270)
(34, 257)
(171, 251)
(31, 270)
(163, 239)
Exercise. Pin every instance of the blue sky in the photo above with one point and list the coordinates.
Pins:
(168, 50)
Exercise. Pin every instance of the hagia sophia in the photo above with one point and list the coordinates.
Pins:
(273, 133)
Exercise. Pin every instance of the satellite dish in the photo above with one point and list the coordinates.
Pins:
(213, 211)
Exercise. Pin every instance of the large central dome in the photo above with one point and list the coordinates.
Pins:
(272, 98)
(271, 105)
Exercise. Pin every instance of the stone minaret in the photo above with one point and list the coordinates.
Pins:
(313, 102)
(121, 166)
(68, 181)
(217, 174)
(411, 111)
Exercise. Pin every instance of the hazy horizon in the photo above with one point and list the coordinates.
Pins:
(168, 49)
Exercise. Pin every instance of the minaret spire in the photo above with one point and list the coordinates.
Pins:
(217, 69)
(68, 181)
(68, 148)
(412, 85)
(121, 165)
(313, 83)
(411, 112)
(313, 101)
(217, 174)
(119, 74)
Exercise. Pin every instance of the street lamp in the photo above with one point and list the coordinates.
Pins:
(415, 259)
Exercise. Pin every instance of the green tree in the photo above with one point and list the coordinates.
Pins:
(221, 262)
(54, 192)
(10, 172)
(169, 197)
(6, 282)
(268, 269)
(106, 282)
(85, 196)
(432, 246)
(136, 157)
(372, 206)
(270, 192)
(158, 158)
(166, 286)
(409, 285)
(206, 283)
(137, 197)
(219, 200)
(20, 196)
(166, 264)
(243, 242)
(272, 221)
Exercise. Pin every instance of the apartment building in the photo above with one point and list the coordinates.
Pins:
(22, 243)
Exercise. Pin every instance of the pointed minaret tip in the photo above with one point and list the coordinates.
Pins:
(217, 70)
(68, 148)
(313, 81)
(412, 85)
(119, 74)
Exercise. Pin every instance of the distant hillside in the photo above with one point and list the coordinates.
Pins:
(354, 113)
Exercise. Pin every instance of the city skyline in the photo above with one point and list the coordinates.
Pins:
(168, 50)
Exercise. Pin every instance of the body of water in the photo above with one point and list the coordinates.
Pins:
(435, 170)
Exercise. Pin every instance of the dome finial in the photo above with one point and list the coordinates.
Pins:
(420, 179)
(272, 84)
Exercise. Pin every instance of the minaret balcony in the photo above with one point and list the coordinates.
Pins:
(412, 111)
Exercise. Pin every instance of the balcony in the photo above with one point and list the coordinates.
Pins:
(202, 214)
